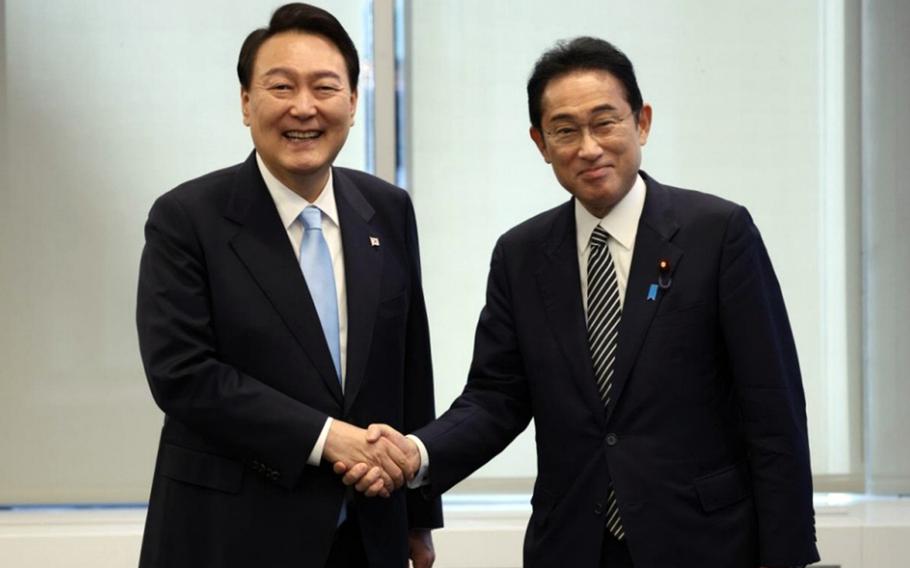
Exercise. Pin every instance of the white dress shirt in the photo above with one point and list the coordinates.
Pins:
(621, 223)
(290, 205)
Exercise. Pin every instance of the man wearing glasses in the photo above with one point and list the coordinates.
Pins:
(643, 329)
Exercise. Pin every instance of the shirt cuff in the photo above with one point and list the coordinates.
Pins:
(316, 454)
(422, 476)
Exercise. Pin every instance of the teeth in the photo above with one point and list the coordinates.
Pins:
(297, 135)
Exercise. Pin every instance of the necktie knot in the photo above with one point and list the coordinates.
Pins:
(599, 237)
(311, 217)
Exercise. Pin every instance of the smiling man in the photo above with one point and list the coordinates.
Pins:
(280, 309)
(643, 329)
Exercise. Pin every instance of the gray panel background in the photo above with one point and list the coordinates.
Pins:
(106, 106)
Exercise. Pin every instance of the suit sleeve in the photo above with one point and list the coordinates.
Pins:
(763, 361)
(179, 352)
(495, 405)
(419, 405)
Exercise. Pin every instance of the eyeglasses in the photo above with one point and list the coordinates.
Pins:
(601, 127)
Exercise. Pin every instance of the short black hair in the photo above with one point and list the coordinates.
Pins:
(302, 18)
(580, 54)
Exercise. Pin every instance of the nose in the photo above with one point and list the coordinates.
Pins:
(303, 104)
(589, 148)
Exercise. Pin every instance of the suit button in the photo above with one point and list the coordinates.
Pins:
(612, 439)
(599, 508)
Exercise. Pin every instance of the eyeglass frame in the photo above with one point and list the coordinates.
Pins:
(590, 127)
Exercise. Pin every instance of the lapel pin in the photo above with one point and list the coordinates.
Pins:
(374, 241)
(652, 292)
(663, 277)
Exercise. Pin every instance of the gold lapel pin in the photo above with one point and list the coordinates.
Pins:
(664, 277)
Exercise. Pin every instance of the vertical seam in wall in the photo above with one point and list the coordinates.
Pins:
(4, 80)
(384, 112)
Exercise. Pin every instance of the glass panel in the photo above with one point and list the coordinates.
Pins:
(735, 115)
(108, 105)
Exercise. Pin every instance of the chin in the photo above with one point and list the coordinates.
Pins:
(304, 168)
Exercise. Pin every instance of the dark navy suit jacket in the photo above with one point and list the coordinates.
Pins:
(236, 358)
(705, 442)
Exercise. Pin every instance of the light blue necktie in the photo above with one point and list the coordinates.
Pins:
(316, 264)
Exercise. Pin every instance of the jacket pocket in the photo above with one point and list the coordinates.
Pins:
(692, 312)
(723, 487)
(197, 468)
(542, 504)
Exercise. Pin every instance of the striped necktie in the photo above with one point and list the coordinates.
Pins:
(604, 312)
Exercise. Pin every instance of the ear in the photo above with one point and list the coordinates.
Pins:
(644, 123)
(537, 137)
(353, 106)
(245, 105)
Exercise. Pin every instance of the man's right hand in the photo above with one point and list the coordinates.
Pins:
(358, 474)
(380, 464)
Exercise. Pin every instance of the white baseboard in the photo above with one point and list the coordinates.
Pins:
(482, 532)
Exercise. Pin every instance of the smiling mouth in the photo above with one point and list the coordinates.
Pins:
(595, 172)
(302, 134)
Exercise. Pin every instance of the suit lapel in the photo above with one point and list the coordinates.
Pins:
(652, 244)
(363, 272)
(262, 245)
(560, 289)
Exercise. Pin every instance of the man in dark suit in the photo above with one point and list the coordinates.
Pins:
(280, 305)
(643, 329)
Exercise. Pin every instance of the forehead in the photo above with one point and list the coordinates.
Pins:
(582, 93)
(299, 52)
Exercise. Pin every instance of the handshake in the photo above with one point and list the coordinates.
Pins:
(376, 461)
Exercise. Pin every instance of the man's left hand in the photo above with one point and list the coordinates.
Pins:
(420, 548)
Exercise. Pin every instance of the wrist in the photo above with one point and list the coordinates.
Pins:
(423, 462)
(335, 440)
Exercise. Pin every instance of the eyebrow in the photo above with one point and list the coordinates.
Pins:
(598, 109)
(291, 72)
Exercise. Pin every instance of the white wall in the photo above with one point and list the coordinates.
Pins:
(107, 106)
(886, 216)
(103, 106)
(749, 103)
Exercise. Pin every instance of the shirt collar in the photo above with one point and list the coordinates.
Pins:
(621, 222)
(290, 204)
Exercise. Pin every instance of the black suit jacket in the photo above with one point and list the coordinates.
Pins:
(236, 358)
(706, 440)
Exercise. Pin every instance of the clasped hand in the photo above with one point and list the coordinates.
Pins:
(375, 461)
